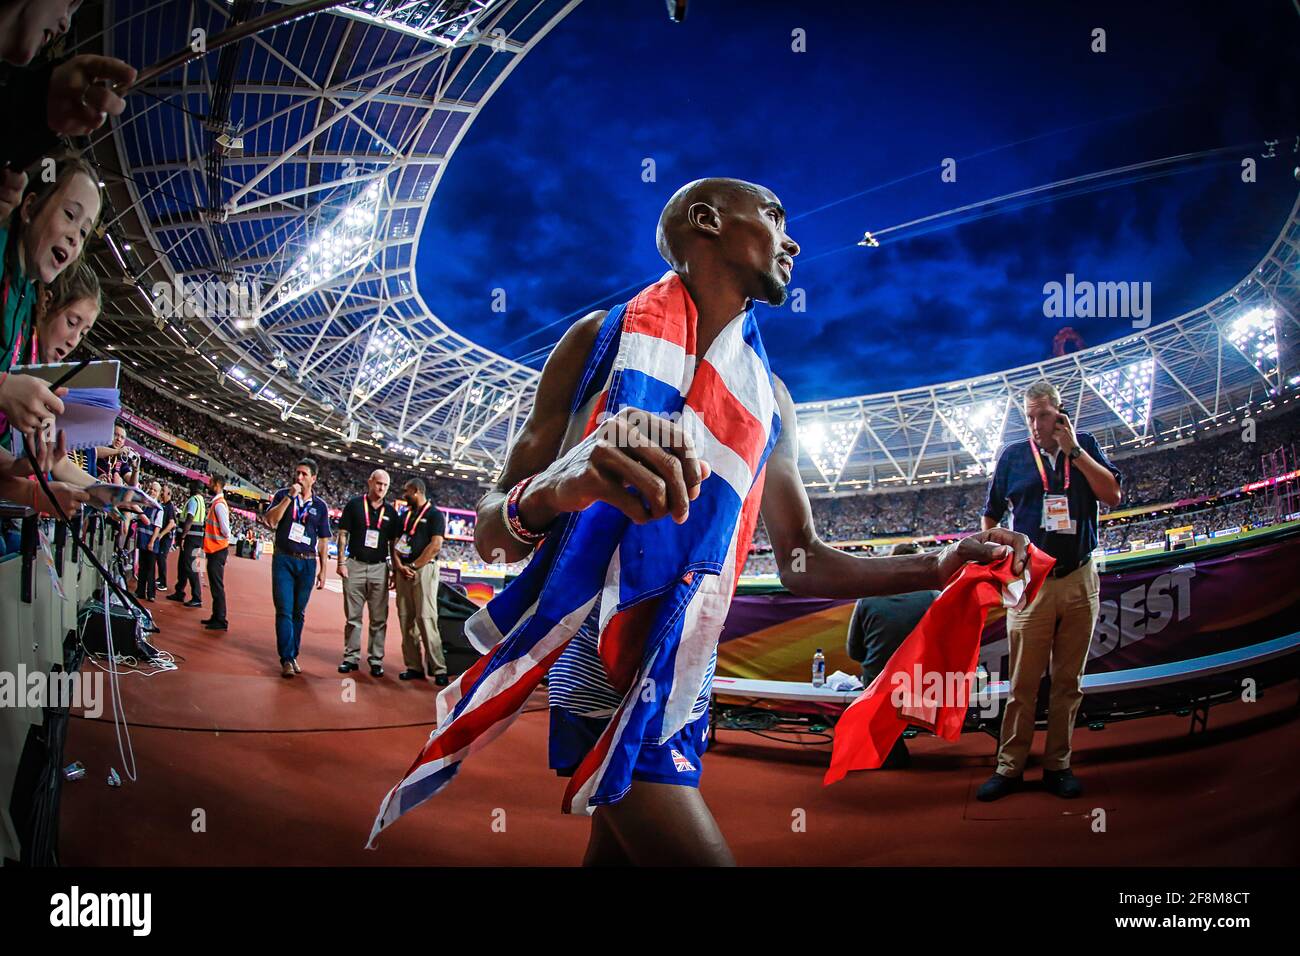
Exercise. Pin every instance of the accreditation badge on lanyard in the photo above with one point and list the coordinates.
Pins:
(1056, 508)
(372, 534)
(408, 528)
(297, 530)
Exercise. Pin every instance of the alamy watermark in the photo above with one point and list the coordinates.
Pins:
(634, 428)
(76, 908)
(237, 300)
(919, 694)
(1098, 300)
(40, 689)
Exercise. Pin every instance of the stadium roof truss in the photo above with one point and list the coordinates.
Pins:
(299, 163)
(1199, 370)
(302, 162)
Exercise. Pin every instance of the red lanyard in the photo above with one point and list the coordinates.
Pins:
(365, 506)
(298, 509)
(4, 307)
(408, 526)
(18, 332)
(1042, 473)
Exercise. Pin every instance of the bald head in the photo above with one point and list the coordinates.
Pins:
(681, 221)
(377, 485)
(728, 234)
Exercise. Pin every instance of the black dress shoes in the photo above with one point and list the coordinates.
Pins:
(376, 670)
(411, 674)
(216, 625)
(441, 680)
(997, 786)
(193, 604)
(347, 666)
(1063, 783)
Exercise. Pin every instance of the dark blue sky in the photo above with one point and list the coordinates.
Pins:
(545, 197)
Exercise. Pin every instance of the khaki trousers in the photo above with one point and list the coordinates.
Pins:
(1055, 629)
(366, 586)
(417, 609)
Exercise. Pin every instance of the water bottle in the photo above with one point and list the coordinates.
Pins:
(819, 668)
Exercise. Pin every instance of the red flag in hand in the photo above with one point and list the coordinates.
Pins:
(927, 680)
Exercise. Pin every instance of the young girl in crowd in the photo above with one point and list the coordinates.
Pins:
(66, 311)
(64, 317)
(43, 237)
(65, 314)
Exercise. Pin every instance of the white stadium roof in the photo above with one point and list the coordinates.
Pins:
(300, 163)
(1192, 372)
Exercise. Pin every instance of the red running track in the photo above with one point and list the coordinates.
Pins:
(289, 772)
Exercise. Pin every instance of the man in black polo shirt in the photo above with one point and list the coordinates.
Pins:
(365, 533)
(415, 569)
(1053, 482)
(302, 531)
(877, 628)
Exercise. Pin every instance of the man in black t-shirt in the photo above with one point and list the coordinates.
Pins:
(365, 535)
(878, 627)
(162, 541)
(415, 569)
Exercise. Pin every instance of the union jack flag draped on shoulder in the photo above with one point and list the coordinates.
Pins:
(663, 588)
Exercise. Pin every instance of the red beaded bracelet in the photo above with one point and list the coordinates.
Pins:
(510, 511)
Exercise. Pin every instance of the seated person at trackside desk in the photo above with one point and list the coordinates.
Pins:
(876, 629)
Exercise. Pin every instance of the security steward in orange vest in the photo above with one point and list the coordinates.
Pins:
(216, 545)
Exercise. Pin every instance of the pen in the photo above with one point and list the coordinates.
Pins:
(63, 378)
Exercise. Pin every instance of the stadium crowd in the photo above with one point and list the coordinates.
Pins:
(1204, 467)
(262, 460)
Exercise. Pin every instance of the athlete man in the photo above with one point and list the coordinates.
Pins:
(727, 241)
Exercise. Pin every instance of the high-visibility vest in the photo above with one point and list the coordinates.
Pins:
(200, 509)
(213, 539)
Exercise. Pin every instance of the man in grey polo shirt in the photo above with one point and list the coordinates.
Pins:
(878, 627)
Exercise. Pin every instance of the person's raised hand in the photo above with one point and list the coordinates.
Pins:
(12, 184)
(29, 402)
(83, 93)
(643, 464)
(69, 497)
(48, 454)
(1063, 432)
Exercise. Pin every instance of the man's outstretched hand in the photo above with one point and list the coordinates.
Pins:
(84, 91)
(643, 464)
(986, 547)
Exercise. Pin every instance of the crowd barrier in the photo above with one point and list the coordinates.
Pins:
(1156, 608)
(38, 628)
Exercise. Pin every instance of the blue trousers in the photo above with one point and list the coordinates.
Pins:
(292, 580)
